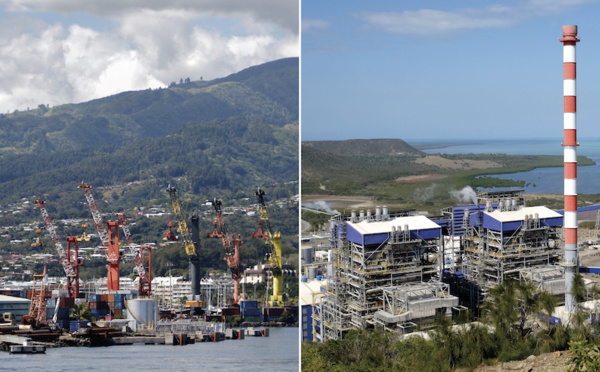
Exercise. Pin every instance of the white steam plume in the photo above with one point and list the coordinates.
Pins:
(322, 205)
(466, 195)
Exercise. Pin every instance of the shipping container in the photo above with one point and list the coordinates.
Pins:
(230, 311)
(250, 312)
(67, 302)
(249, 304)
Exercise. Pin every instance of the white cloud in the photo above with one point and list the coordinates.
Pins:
(55, 64)
(427, 22)
(309, 25)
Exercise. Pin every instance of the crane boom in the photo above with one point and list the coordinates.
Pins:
(190, 246)
(183, 229)
(109, 235)
(64, 256)
(100, 225)
(232, 256)
(141, 258)
(273, 245)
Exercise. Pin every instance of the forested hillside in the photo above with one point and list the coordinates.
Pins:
(268, 91)
(221, 138)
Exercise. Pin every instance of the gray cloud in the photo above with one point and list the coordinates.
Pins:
(283, 13)
(146, 48)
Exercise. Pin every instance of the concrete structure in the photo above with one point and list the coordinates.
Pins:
(570, 144)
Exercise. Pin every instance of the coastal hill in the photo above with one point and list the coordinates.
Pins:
(209, 139)
(224, 135)
(365, 147)
(391, 172)
(268, 91)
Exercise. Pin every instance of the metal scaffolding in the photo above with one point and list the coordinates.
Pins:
(364, 271)
(519, 242)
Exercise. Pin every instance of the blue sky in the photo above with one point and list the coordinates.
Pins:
(68, 51)
(445, 69)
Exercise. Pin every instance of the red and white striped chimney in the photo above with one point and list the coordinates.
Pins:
(570, 144)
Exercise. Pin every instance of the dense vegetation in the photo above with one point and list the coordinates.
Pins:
(508, 332)
(268, 91)
(373, 174)
(221, 138)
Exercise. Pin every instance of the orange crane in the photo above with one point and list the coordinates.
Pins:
(39, 301)
(69, 259)
(232, 255)
(109, 235)
(142, 259)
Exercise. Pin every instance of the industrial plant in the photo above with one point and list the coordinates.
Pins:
(146, 310)
(399, 270)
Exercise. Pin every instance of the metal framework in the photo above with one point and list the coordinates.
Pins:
(190, 247)
(69, 258)
(355, 293)
(273, 245)
(110, 239)
(39, 295)
(411, 304)
(142, 259)
(494, 255)
(231, 245)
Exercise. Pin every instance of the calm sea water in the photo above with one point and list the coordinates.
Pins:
(278, 352)
(541, 180)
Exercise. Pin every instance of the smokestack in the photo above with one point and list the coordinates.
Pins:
(570, 144)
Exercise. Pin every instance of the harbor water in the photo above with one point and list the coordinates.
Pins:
(537, 181)
(278, 352)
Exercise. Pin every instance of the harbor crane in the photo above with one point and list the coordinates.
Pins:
(191, 247)
(142, 259)
(273, 246)
(39, 301)
(231, 245)
(69, 259)
(109, 236)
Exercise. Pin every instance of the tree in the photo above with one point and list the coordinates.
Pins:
(81, 312)
(287, 318)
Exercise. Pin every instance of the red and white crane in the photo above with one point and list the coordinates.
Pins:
(109, 235)
(231, 244)
(69, 259)
(142, 258)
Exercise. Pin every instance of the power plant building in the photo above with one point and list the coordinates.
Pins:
(386, 275)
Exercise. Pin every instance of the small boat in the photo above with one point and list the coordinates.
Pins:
(27, 349)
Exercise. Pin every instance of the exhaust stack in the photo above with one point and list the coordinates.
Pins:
(570, 144)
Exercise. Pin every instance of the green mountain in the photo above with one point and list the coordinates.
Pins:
(365, 147)
(221, 138)
(268, 91)
(209, 137)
